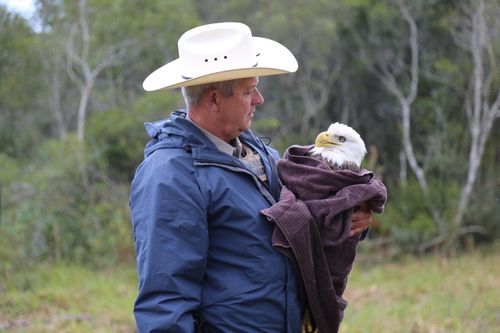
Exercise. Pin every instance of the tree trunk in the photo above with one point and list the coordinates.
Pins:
(55, 103)
(481, 114)
(82, 108)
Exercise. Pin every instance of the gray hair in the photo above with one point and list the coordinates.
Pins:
(192, 94)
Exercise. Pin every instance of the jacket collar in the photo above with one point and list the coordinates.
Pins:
(177, 132)
(182, 133)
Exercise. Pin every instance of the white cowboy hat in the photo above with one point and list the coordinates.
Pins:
(219, 52)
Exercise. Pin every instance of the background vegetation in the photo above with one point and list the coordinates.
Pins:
(420, 80)
(428, 295)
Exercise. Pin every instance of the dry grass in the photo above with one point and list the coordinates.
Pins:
(68, 299)
(429, 295)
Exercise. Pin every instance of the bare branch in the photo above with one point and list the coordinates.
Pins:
(315, 92)
(414, 52)
(78, 59)
(390, 83)
(465, 230)
(495, 107)
(71, 56)
(82, 18)
(114, 55)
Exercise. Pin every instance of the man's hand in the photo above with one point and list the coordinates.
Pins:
(361, 219)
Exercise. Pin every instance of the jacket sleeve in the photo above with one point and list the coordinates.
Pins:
(171, 240)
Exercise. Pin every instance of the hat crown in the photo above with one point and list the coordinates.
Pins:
(220, 52)
(216, 47)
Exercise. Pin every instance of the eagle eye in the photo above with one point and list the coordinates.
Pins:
(341, 139)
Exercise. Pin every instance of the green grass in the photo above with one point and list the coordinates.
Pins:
(68, 299)
(430, 295)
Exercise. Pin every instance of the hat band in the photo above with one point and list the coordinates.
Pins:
(190, 77)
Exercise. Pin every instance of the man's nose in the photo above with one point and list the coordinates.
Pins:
(257, 97)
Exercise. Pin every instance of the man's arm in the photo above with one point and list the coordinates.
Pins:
(171, 240)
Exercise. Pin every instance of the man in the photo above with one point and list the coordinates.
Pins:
(204, 254)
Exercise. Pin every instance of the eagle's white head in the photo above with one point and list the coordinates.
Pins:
(340, 145)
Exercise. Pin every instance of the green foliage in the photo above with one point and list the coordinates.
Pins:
(292, 139)
(61, 199)
(117, 137)
(12, 191)
(265, 125)
(444, 65)
(157, 105)
(16, 59)
(9, 169)
(406, 217)
(19, 86)
(68, 211)
(485, 203)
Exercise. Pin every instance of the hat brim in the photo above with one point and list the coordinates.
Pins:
(273, 59)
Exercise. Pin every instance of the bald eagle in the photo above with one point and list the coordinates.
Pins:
(341, 147)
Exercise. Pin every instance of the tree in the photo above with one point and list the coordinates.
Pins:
(402, 63)
(479, 37)
(84, 70)
(110, 45)
(21, 86)
(398, 69)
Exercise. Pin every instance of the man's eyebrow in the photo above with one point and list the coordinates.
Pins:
(253, 85)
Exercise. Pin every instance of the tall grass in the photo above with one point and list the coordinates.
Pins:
(429, 295)
(68, 299)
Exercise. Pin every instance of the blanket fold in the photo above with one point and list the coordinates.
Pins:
(312, 225)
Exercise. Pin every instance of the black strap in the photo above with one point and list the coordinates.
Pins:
(197, 322)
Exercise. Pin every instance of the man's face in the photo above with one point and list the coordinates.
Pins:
(236, 112)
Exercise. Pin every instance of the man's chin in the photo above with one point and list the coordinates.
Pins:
(243, 129)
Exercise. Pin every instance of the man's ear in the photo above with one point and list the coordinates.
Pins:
(212, 100)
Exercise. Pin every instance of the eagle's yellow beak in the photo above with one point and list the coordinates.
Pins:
(324, 139)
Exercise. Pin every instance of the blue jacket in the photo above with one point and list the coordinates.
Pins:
(203, 248)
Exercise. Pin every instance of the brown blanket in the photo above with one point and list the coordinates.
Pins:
(312, 224)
